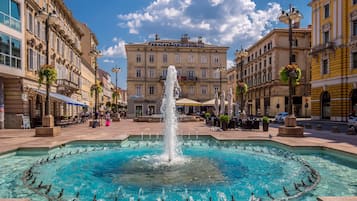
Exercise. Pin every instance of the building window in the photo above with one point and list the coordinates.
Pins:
(164, 72)
(325, 66)
(177, 58)
(10, 14)
(151, 73)
(203, 90)
(151, 90)
(295, 43)
(203, 59)
(216, 89)
(29, 21)
(138, 72)
(216, 60)
(138, 90)
(293, 58)
(10, 51)
(151, 58)
(354, 60)
(354, 27)
(138, 58)
(327, 10)
(190, 74)
(204, 73)
(269, 60)
(29, 59)
(164, 58)
(326, 37)
(190, 58)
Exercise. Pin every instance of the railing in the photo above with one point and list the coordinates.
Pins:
(67, 83)
(10, 21)
(321, 47)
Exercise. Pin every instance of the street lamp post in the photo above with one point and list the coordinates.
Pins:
(116, 70)
(289, 17)
(241, 55)
(49, 18)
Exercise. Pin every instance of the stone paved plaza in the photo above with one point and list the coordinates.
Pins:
(14, 139)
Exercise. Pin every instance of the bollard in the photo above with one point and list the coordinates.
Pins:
(269, 195)
(40, 185)
(48, 189)
(60, 194)
(286, 191)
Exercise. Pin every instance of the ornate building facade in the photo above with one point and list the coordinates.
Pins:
(196, 64)
(334, 59)
(259, 68)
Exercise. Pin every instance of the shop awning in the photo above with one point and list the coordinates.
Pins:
(61, 97)
(212, 102)
(187, 102)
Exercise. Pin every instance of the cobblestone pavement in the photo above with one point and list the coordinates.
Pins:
(11, 139)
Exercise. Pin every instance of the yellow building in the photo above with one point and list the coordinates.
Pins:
(195, 61)
(334, 59)
(259, 68)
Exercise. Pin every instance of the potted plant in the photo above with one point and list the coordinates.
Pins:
(265, 120)
(224, 119)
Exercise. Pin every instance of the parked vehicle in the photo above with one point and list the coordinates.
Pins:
(280, 117)
(352, 122)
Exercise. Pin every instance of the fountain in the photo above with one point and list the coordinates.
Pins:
(168, 108)
(137, 170)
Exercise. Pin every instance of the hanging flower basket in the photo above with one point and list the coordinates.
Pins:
(47, 73)
(242, 88)
(96, 87)
(293, 71)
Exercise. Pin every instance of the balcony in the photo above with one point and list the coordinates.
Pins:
(66, 87)
(187, 78)
(328, 46)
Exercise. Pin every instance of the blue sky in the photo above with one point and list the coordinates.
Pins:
(231, 23)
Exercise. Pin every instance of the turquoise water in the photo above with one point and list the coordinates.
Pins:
(210, 170)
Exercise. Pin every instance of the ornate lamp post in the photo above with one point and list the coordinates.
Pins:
(116, 70)
(49, 18)
(240, 83)
(290, 129)
(289, 17)
(95, 54)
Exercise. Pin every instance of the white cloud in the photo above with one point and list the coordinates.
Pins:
(230, 64)
(222, 22)
(117, 50)
(108, 61)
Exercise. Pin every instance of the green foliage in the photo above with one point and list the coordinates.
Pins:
(265, 119)
(207, 115)
(224, 118)
(96, 87)
(242, 88)
(48, 74)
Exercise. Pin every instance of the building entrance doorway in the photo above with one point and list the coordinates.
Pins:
(325, 105)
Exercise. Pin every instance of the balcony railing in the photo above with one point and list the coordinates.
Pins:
(319, 48)
(65, 86)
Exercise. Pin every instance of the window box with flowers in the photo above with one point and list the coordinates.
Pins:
(293, 71)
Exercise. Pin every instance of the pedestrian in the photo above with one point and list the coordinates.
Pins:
(107, 119)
